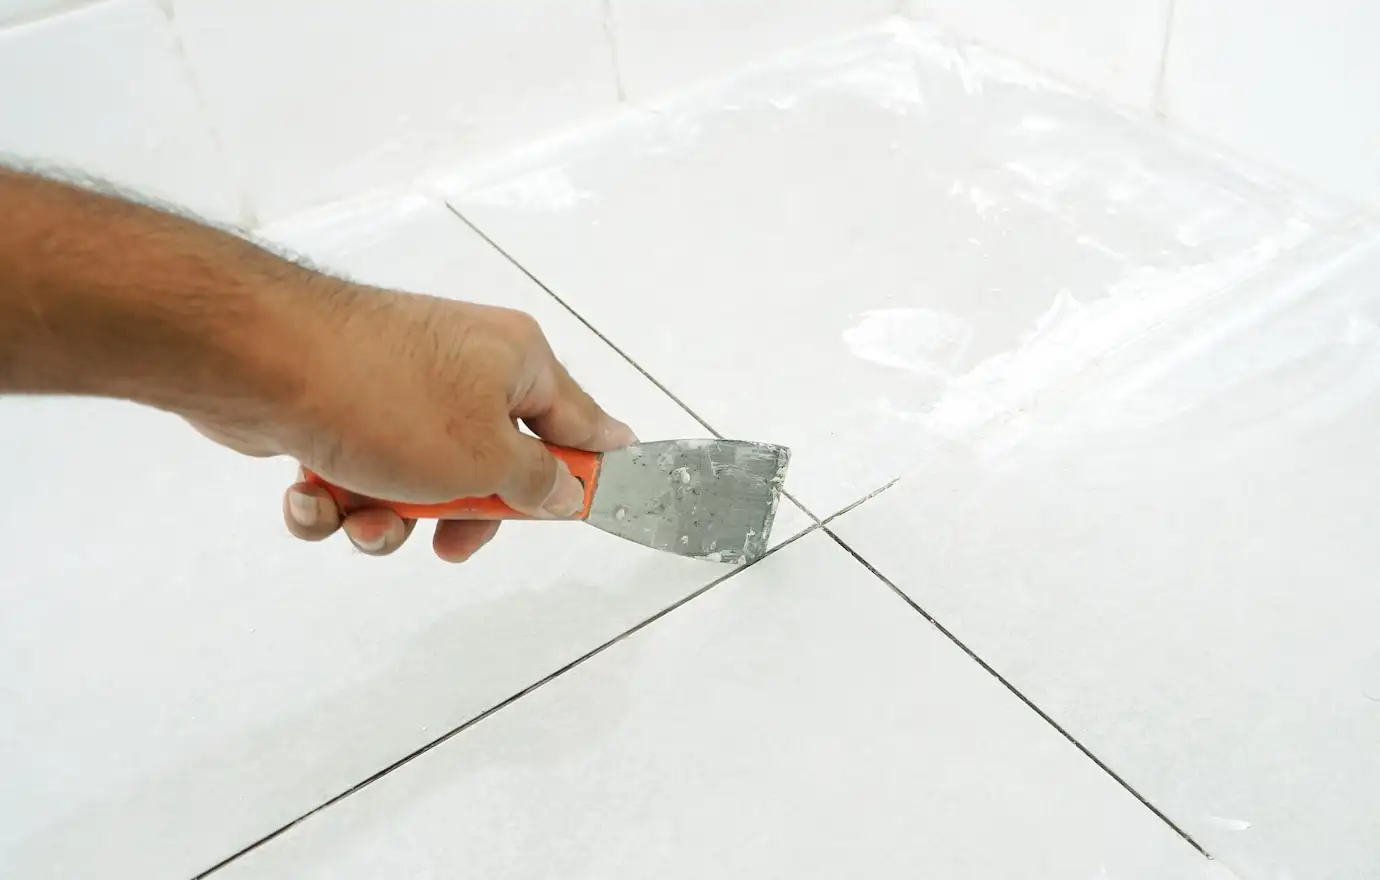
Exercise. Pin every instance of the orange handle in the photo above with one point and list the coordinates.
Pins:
(584, 465)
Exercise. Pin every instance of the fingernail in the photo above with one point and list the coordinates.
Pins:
(619, 434)
(568, 496)
(303, 508)
(371, 545)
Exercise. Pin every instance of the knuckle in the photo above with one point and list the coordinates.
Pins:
(523, 329)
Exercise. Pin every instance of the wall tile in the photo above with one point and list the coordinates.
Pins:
(1113, 49)
(103, 91)
(17, 11)
(319, 100)
(667, 44)
(1296, 85)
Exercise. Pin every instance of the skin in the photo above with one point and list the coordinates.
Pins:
(388, 394)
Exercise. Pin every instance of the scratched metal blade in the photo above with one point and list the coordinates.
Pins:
(710, 499)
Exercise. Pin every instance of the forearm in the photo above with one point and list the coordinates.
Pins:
(100, 296)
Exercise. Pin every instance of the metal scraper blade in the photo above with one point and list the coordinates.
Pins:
(708, 499)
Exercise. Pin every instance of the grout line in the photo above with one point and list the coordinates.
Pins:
(247, 218)
(820, 525)
(610, 24)
(581, 318)
(818, 522)
(634, 364)
(624, 355)
(807, 511)
(1158, 100)
(1020, 696)
(407, 759)
(868, 497)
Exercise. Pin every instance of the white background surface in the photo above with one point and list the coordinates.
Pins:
(1125, 382)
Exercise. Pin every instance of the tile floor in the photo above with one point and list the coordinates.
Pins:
(874, 248)
(1109, 616)
(243, 678)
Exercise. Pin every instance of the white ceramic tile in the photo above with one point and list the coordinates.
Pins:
(102, 91)
(19, 11)
(1295, 85)
(179, 677)
(321, 100)
(664, 45)
(1177, 561)
(877, 246)
(1110, 47)
(799, 720)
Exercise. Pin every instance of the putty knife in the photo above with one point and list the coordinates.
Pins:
(709, 499)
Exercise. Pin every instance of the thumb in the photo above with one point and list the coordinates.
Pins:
(538, 483)
(564, 413)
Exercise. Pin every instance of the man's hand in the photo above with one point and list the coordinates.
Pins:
(388, 394)
(418, 400)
